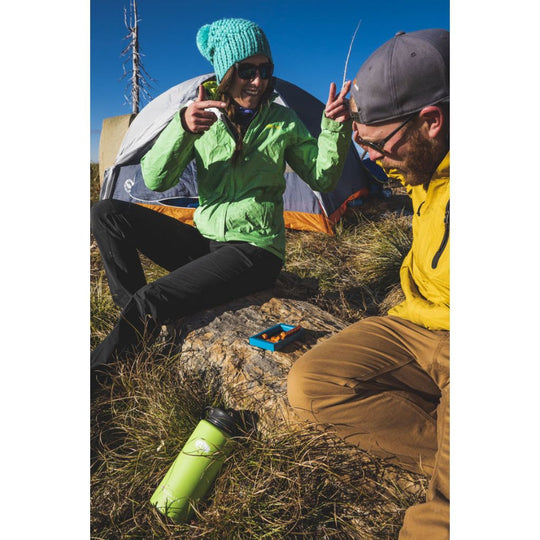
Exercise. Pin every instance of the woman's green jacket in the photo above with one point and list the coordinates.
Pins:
(244, 201)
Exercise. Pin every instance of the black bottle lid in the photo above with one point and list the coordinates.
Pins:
(222, 420)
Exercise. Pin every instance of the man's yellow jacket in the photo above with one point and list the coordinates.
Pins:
(425, 272)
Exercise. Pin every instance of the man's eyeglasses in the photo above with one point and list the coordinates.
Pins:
(378, 146)
(248, 71)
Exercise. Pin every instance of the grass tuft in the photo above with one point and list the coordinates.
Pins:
(358, 267)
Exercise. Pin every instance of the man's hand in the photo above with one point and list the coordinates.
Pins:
(195, 118)
(337, 107)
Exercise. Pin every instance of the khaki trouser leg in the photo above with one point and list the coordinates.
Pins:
(430, 521)
(378, 383)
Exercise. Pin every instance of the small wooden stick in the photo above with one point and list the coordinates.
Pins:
(292, 331)
(280, 335)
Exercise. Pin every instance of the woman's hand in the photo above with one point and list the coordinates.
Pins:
(337, 107)
(195, 118)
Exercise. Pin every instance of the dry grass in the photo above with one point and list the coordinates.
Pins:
(94, 182)
(357, 269)
(294, 484)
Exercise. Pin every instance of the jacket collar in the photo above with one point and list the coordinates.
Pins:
(441, 172)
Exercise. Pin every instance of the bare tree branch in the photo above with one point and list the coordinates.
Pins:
(349, 53)
(139, 79)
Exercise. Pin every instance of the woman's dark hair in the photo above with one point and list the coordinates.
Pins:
(223, 93)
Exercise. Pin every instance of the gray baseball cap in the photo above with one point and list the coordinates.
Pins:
(404, 75)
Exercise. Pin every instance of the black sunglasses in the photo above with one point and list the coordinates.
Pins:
(248, 71)
(379, 145)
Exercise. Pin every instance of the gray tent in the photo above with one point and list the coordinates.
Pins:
(305, 209)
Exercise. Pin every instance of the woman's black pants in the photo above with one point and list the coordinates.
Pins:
(203, 273)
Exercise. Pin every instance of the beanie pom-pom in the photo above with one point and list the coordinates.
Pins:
(203, 42)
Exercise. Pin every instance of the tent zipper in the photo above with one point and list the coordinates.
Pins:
(446, 235)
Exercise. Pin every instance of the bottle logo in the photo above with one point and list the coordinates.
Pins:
(201, 444)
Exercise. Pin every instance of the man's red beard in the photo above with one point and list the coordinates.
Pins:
(421, 160)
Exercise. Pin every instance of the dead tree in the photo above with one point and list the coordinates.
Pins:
(139, 79)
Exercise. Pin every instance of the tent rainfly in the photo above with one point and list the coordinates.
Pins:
(304, 209)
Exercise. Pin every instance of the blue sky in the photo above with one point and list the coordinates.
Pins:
(309, 41)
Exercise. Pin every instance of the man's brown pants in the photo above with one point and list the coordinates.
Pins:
(384, 384)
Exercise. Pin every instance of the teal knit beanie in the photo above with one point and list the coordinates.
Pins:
(227, 41)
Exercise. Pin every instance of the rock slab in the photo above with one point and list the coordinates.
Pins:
(216, 342)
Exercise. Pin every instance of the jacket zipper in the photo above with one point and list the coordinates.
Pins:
(229, 127)
(446, 235)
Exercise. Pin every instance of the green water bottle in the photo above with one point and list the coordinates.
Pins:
(196, 466)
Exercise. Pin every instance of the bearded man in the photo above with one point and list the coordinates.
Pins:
(383, 383)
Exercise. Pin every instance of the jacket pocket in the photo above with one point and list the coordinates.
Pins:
(251, 218)
(445, 238)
